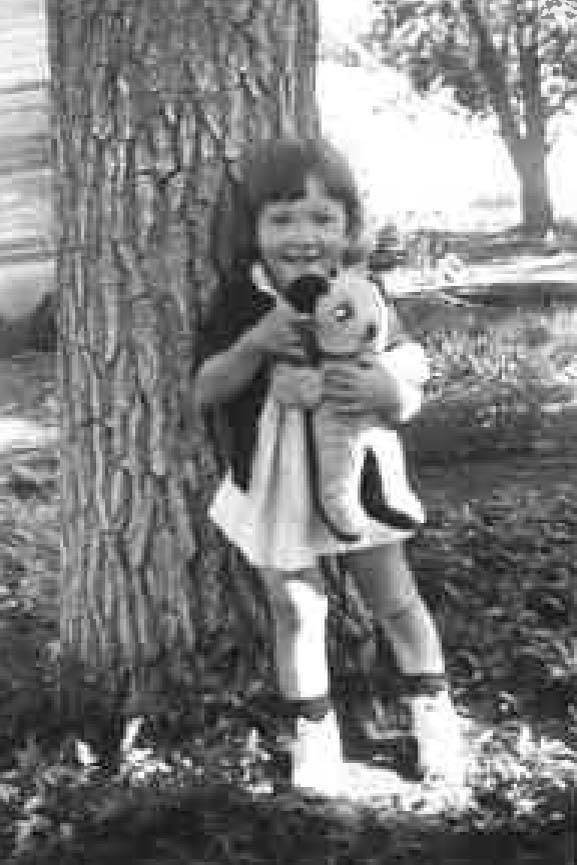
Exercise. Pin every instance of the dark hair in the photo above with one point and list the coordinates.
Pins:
(276, 170)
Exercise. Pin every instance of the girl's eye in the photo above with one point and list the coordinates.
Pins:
(280, 219)
(323, 218)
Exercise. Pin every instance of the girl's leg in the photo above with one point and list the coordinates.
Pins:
(388, 585)
(386, 582)
(298, 605)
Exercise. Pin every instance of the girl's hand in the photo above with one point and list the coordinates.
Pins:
(299, 386)
(362, 387)
(278, 334)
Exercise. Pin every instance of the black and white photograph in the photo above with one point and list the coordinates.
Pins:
(288, 432)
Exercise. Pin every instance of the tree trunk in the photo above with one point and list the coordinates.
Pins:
(527, 148)
(530, 152)
(536, 208)
(153, 102)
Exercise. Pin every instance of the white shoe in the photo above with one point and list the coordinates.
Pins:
(318, 767)
(316, 753)
(438, 731)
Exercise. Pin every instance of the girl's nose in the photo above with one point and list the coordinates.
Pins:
(306, 235)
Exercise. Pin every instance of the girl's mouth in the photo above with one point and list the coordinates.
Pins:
(296, 258)
(304, 260)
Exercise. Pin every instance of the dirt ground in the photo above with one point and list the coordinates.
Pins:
(496, 562)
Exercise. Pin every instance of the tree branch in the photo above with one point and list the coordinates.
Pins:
(564, 99)
(491, 67)
(527, 44)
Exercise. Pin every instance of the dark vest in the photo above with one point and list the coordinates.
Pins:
(232, 426)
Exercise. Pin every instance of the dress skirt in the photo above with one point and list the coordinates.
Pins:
(274, 523)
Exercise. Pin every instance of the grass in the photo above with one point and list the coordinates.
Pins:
(496, 563)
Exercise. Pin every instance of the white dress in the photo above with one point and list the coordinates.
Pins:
(274, 522)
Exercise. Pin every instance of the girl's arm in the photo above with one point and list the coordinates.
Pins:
(375, 385)
(227, 373)
(389, 384)
(224, 375)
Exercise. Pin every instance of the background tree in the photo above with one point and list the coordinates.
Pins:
(153, 100)
(513, 59)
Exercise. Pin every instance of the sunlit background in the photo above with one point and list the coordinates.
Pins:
(418, 163)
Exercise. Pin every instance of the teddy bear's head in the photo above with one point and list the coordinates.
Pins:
(351, 318)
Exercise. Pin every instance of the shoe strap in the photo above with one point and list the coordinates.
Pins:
(314, 709)
(424, 684)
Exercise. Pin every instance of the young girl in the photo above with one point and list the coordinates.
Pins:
(296, 211)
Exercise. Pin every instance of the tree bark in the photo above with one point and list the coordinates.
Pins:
(152, 103)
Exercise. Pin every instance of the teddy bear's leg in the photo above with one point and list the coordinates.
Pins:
(337, 459)
(384, 491)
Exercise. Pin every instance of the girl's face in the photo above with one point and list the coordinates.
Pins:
(305, 235)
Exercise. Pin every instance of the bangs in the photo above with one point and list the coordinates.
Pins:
(278, 170)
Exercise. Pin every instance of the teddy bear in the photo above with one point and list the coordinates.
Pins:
(357, 463)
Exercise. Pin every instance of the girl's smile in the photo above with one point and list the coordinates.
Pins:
(306, 235)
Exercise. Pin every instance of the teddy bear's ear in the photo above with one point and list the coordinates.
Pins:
(371, 331)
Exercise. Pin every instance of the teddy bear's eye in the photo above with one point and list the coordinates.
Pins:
(344, 311)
